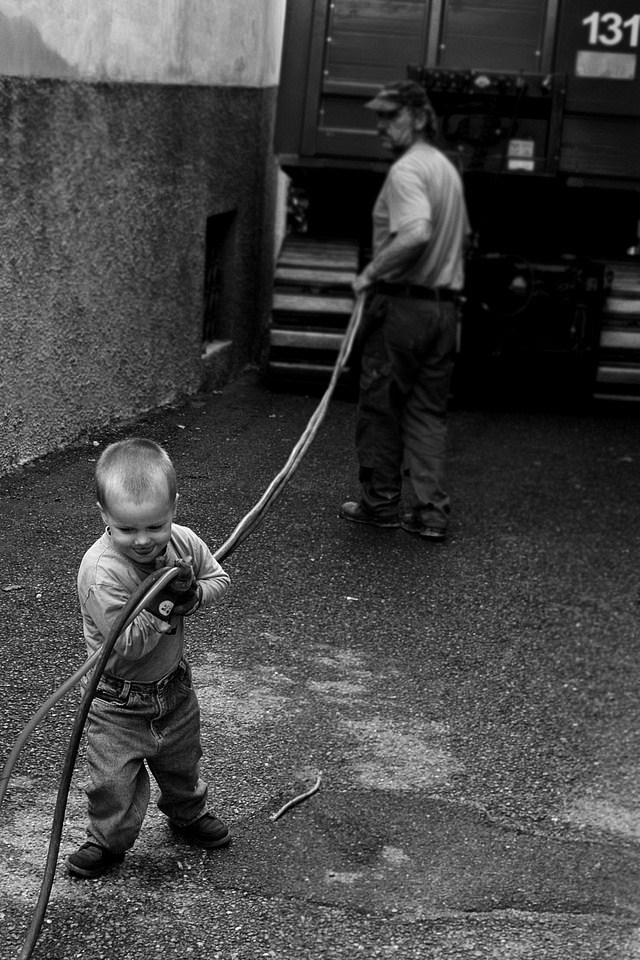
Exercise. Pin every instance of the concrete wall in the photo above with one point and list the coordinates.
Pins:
(123, 126)
(211, 42)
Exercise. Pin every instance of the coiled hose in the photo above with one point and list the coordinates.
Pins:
(156, 582)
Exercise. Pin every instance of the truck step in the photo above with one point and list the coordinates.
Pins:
(618, 374)
(311, 308)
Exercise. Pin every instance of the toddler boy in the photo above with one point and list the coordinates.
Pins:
(145, 708)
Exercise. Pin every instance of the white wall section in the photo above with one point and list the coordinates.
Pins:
(212, 42)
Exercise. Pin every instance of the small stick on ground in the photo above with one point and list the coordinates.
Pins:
(297, 800)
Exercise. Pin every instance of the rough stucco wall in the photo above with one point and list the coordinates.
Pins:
(213, 42)
(105, 191)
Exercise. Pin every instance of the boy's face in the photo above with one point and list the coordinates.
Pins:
(141, 530)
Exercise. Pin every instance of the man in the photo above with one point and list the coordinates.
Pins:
(410, 321)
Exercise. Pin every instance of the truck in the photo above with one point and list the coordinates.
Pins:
(538, 104)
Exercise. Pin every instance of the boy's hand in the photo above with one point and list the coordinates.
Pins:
(186, 578)
(181, 596)
(189, 607)
(169, 602)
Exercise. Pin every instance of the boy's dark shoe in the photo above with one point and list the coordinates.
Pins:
(358, 514)
(208, 832)
(91, 860)
(413, 524)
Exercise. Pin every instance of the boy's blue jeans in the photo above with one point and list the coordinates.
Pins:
(128, 724)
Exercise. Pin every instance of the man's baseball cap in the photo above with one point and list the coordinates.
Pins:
(400, 93)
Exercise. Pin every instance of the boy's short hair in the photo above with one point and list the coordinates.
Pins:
(134, 468)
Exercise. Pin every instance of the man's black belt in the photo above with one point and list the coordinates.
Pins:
(414, 292)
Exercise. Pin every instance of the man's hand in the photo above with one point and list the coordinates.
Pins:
(362, 282)
(400, 254)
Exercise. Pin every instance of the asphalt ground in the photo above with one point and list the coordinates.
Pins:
(471, 707)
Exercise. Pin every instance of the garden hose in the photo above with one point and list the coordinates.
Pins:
(136, 603)
(248, 524)
(37, 717)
